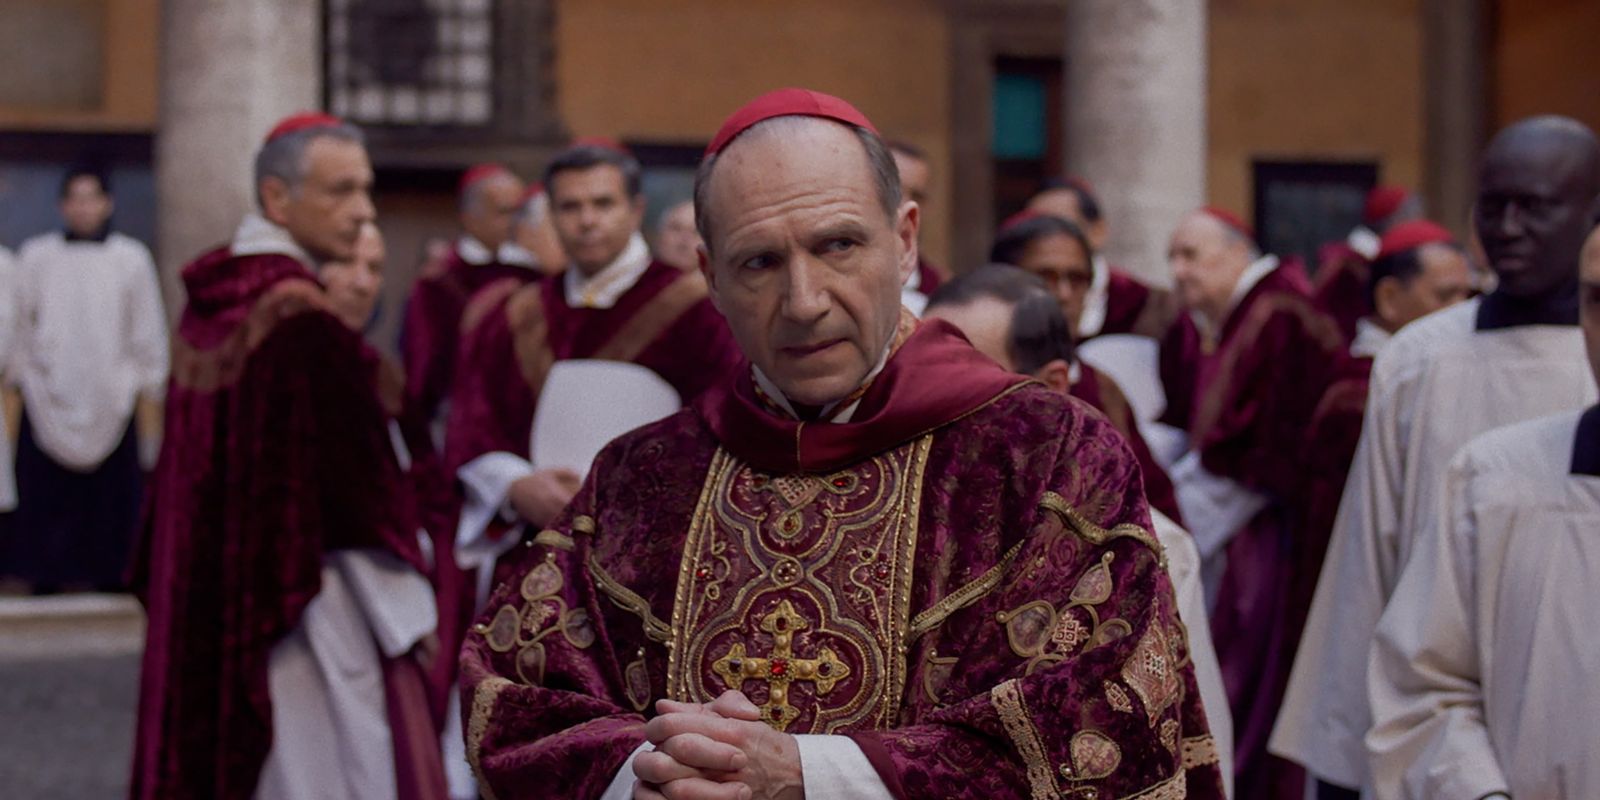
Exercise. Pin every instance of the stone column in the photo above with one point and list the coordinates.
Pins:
(229, 70)
(1456, 49)
(1136, 119)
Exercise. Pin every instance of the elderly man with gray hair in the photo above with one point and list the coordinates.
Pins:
(280, 565)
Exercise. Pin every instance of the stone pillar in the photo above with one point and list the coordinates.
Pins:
(229, 70)
(1136, 119)
(1456, 48)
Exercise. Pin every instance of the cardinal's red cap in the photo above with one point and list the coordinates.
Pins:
(478, 173)
(304, 120)
(786, 103)
(1018, 218)
(1411, 235)
(604, 143)
(1383, 201)
(1230, 219)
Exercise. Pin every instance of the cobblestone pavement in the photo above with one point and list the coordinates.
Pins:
(69, 677)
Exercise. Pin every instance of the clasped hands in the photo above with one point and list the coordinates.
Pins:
(716, 751)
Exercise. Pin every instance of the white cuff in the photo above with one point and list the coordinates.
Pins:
(621, 787)
(487, 480)
(830, 766)
(397, 601)
(1214, 507)
(834, 767)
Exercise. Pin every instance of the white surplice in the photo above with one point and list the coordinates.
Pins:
(1183, 565)
(1483, 672)
(90, 338)
(1436, 385)
(331, 738)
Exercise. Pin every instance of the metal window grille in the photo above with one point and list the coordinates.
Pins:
(411, 63)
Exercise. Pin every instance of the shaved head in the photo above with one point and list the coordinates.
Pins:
(1537, 182)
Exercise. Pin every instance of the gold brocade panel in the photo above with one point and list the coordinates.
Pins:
(796, 590)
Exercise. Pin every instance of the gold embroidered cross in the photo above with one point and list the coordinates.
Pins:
(781, 668)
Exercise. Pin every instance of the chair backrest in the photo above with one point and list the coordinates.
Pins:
(1134, 363)
(586, 403)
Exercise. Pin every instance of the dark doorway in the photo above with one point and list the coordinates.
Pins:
(1301, 205)
(1026, 140)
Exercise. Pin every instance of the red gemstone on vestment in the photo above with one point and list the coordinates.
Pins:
(780, 666)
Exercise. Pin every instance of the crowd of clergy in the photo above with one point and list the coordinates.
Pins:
(865, 527)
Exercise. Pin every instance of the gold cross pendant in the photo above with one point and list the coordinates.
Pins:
(781, 668)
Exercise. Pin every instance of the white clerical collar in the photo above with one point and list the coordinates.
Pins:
(1364, 241)
(1370, 338)
(605, 287)
(1097, 299)
(477, 253)
(258, 236)
(911, 294)
(832, 412)
(1253, 274)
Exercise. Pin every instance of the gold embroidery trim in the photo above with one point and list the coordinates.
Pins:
(530, 335)
(1096, 534)
(1118, 698)
(1198, 751)
(1173, 788)
(627, 600)
(584, 524)
(677, 683)
(1007, 701)
(900, 599)
(964, 596)
(649, 323)
(478, 724)
(556, 539)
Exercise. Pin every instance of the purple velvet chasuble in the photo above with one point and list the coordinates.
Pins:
(277, 451)
(430, 334)
(1254, 395)
(961, 579)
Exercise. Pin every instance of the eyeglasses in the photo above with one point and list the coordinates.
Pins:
(1077, 280)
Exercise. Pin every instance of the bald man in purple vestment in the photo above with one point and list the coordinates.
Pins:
(871, 564)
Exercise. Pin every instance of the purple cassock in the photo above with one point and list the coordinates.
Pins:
(513, 333)
(1341, 286)
(1330, 448)
(1254, 393)
(960, 579)
(277, 452)
(1102, 392)
(431, 332)
(1133, 307)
